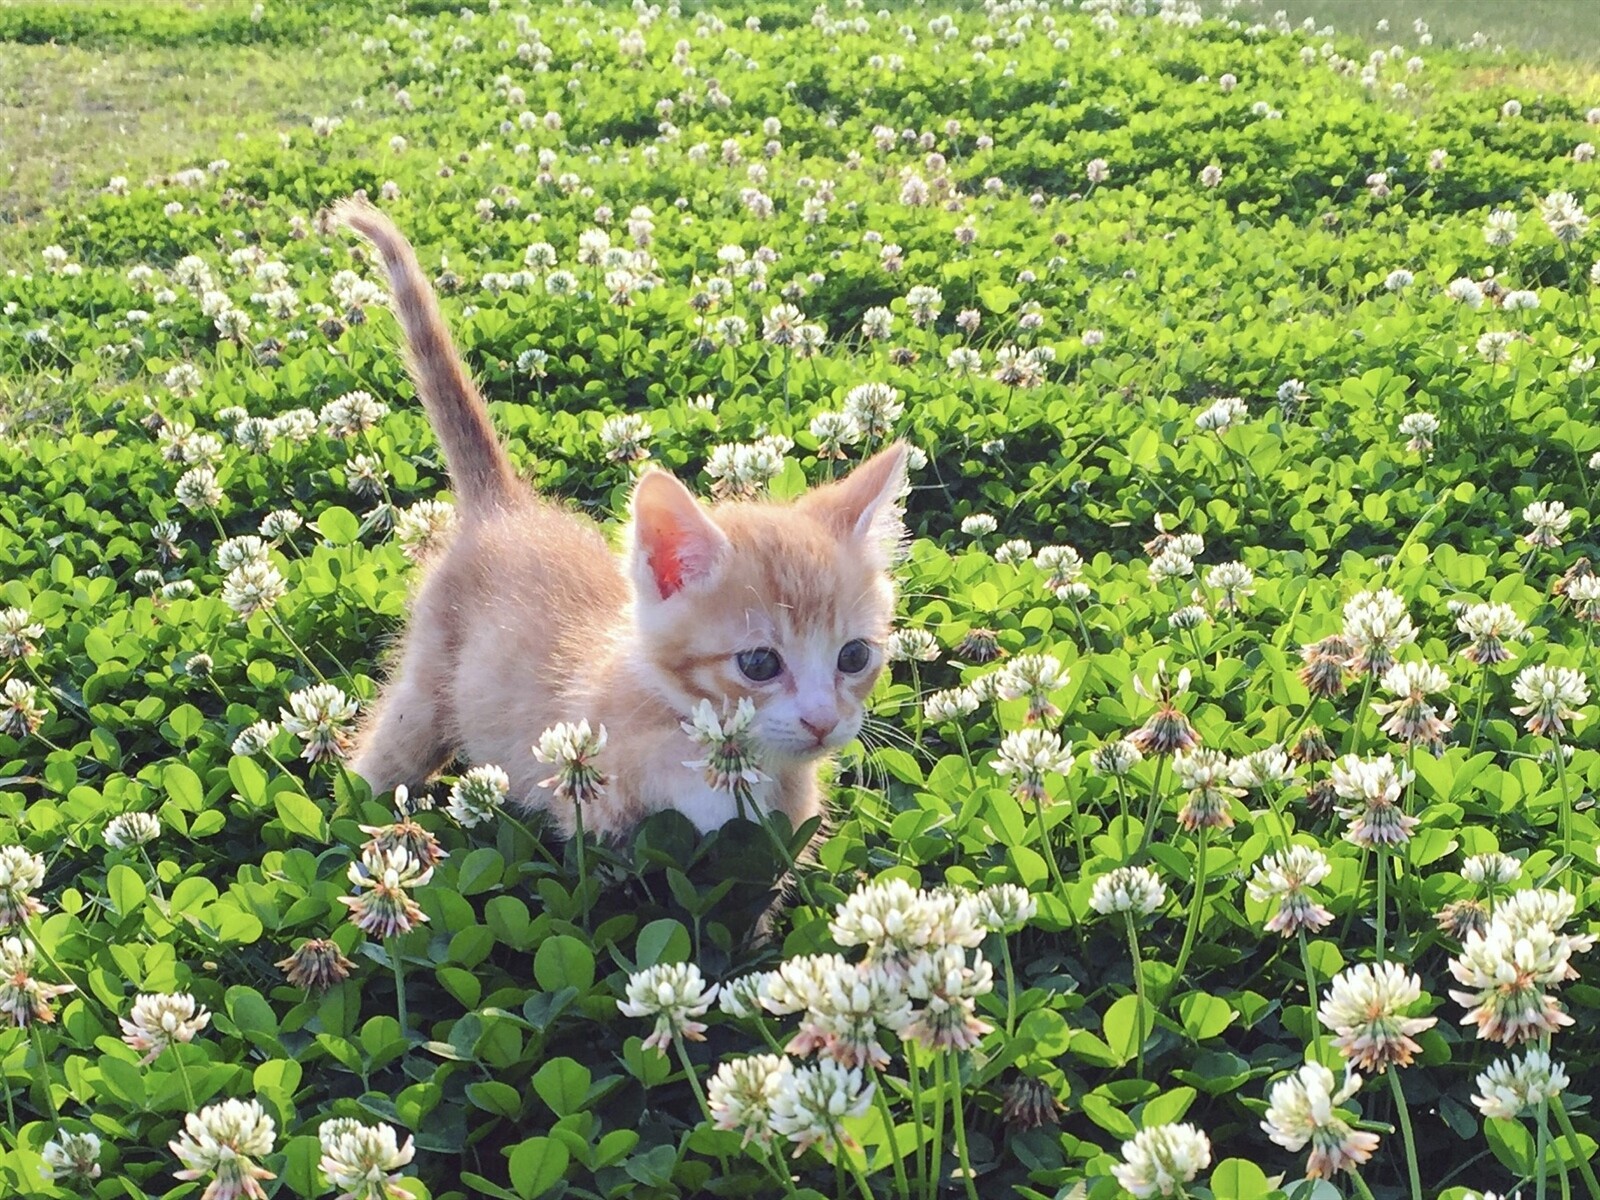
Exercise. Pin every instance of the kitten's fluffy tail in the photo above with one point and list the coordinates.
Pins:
(479, 469)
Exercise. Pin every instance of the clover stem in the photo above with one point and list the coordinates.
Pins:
(958, 1118)
(1138, 988)
(1405, 1132)
(37, 1035)
(1571, 1134)
(398, 966)
(1195, 904)
(902, 1188)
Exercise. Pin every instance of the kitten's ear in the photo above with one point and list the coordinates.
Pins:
(865, 506)
(674, 541)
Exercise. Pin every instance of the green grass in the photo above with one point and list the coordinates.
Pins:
(74, 113)
(1564, 28)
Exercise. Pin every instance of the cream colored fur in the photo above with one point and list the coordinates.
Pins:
(528, 618)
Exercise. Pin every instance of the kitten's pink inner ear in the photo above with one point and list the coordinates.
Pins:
(675, 542)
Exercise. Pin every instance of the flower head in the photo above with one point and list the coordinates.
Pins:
(1161, 1159)
(810, 1103)
(24, 999)
(71, 1158)
(1551, 697)
(574, 750)
(1547, 521)
(1033, 677)
(740, 1095)
(1512, 1087)
(363, 1161)
(732, 761)
(845, 1005)
(320, 716)
(1304, 1108)
(1411, 718)
(1288, 877)
(20, 710)
(316, 965)
(1374, 787)
(382, 905)
(1490, 627)
(896, 921)
(672, 993)
(21, 874)
(221, 1140)
(1168, 730)
(1327, 663)
(1376, 625)
(1027, 756)
(1205, 773)
(477, 795)
(1116, 758)
(157, 1021)
(17, 631)
(948, 985)
(1005, 906)
(1136, 890)
(1364, 1006)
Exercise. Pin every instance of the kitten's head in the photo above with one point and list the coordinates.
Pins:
(787, 604)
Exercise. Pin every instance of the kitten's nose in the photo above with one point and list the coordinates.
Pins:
(820, 731)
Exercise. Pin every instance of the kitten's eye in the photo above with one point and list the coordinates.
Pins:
(854, 657)
(759, 665)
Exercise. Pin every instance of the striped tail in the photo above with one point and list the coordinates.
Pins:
(480, 472)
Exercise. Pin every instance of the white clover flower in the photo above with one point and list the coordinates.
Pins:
(1507, 973)
(1222, 415)
(71, 1158)
(363, 1161)
(1548, 521)
(1564, 217)
(157, 1021)
(221, 1141)
(874, 407)
(1136, 890)
(741, 1093)
(672, 993)
(1017, 550)
(1115, 758)
(810, 1103)
(253, 739)
(1161, 1159)
(895, 922)
(912, 645)
(1264, 768)
(1490, 869)
(1374, 787)
(478, 795)
(1420, 429)
(1032, 677)
(131, 829)
(1512, 1087)
(844, 1005)
(321, 716)
(1398, 280)
(383, 906)
(1364, 1006)
(834, 431)
(237, 551)
(623, 438)
(21, 874)
(423, 526)
(1304, 1108)
(1411, 718)
(17, 631)
(1286, 877)
(1501, 227)
(198, 488)
(21, 713)
(352, 413)
(1466, 291)
(1551, 697)
(951, 704)
(1376, 625)
(1004, 907)
(733, 759)
(979, 524)
(1026, 756)
(574, 750)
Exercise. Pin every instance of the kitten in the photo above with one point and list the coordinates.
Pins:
(527, 618)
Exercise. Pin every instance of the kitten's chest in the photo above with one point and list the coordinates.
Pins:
(710, 808)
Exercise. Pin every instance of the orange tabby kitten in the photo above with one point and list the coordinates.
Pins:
(528, 618)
